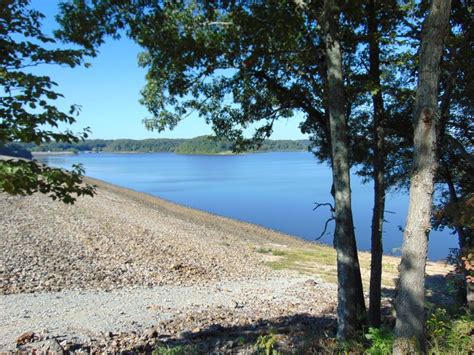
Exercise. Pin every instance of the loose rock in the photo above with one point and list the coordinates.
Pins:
(125, 271)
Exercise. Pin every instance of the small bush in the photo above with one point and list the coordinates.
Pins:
(381, 341)
(278, 252)
(266, 344)
(449, 334)
(175, 350)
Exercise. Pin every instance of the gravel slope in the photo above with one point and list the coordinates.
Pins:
(84, 317)
(125, 262)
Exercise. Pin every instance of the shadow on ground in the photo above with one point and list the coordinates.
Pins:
(302, 333)
(436, 291)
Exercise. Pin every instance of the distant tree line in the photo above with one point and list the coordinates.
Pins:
(15, 150)
(211, 145)
(198, 145)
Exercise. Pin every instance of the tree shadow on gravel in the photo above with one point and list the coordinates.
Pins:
(299, 333)
(296, 334)
(436, 291)
(437, 295)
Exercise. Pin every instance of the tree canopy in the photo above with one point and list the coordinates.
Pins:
(27, 109)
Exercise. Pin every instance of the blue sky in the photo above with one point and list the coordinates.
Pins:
(108, 92)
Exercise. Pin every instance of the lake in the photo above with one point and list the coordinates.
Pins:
(275, 190)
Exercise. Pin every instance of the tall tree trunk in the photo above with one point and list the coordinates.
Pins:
(351, 307)
(465, 242)
(445, 107)
(453, 196)
(409, 327)
(467, 293)
(379, 171)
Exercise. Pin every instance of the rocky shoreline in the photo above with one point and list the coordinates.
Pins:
(127, 271)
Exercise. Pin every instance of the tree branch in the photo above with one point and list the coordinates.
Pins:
(284, 93)
(324, 204)
(332, 218)
(325, 228)
(469, 158)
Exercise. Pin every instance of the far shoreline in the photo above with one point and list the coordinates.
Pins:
(54, 153)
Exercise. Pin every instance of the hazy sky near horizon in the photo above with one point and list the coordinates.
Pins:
(109, 92)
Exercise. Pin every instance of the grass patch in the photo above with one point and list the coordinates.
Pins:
(389, 267)
(175, 350)
(320, 260)
(293, 258)
(278, 252)
(450, 334)
(316, 259)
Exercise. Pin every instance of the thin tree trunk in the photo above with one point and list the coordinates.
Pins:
(445, 107)
(454, 199)
(351, 307)
(409, 327)
(379, 171)
(464, 236)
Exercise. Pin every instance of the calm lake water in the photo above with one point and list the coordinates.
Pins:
(275, 190)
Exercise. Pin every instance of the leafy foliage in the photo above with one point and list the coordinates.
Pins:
(175, 350)
(457, 214)
(27, 112)
(267, 344)
(20, 177)
(456, 155)
(381, 341)
(240, 67)
(456, 123)
(448, 334)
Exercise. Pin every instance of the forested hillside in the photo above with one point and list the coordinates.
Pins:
(198, 145)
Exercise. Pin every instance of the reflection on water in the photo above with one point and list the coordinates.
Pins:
(275, 190)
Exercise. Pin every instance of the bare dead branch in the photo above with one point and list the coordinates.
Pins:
(317, 205)
(325, 228)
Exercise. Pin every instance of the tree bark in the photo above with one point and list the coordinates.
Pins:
(351, 307)
(379, 171)
(465, 242)
(409, 327)
(453, 196)
(467, 294)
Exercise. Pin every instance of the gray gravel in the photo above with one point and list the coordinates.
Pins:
(69, 314)
(103, 272)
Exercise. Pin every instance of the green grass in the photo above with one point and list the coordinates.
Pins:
(262, 250)
(306, 261)
(321, 260)
(389, 268)
(278, 252)
(175, 350)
